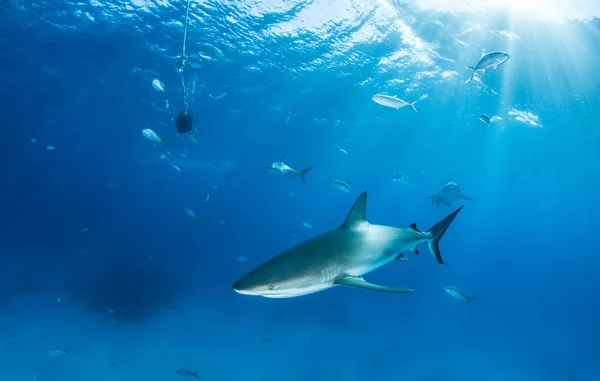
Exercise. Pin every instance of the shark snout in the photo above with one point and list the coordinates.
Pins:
(238, 286)
(241, 286)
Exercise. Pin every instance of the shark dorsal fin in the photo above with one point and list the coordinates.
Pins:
(358, 213)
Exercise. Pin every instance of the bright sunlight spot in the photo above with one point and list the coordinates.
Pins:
(547, 10)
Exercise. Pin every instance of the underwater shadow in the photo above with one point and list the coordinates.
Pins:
(128, 294)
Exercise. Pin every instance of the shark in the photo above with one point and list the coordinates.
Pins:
(340, 257)
(449, 193)
(281, 168)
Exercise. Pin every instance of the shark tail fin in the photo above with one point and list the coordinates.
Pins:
(437, 232)
(195, 374)
(468, 299)
(304, 172)
(413, 105)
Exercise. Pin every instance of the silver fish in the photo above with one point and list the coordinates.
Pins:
(490, 60)
(457, 293)
(393, 102)
(338, 184)
(281, 168)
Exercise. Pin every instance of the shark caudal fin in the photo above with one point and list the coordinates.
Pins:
(437, 232)
(304, 172)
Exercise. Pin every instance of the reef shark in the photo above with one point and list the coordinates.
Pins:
(340, 257)
(448, 194)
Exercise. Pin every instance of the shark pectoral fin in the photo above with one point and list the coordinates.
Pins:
(463, 197)
(359, 282)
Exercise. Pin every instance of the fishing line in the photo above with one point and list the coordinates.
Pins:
(183, 58)
(184, 122)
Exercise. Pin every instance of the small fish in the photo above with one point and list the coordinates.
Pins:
(228, 176)
(84, 230)
(177, 168)
(58, 300)
(281, 168)
(110, 311)
(159, 86)
(490, 60)
(206, 196)
(186, 372)
(393, 102)
(292, 194)
(191, 214)
(241, 258)
(397, 176)
(223, 221)
(83, 252)
(485, 118)
(58, 352)
(50, 148)
(339, 185)
(307, 225)
(343, 151)
(220, 96)
(457, 293)
(291, 231)
(166, 103)
(149, 134)
(33, 141)
(113, 363)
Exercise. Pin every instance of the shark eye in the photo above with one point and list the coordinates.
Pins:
(270, 287)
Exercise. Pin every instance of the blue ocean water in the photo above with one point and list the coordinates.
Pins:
(98, 255)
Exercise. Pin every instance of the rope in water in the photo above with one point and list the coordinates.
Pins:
(184, 57)
(187, 14)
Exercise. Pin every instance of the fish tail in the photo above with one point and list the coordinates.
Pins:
(328, 180)
(472, 74)
(161, 141)
(468, 299)
(413, 105)
(304, 172)
(437, 232)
